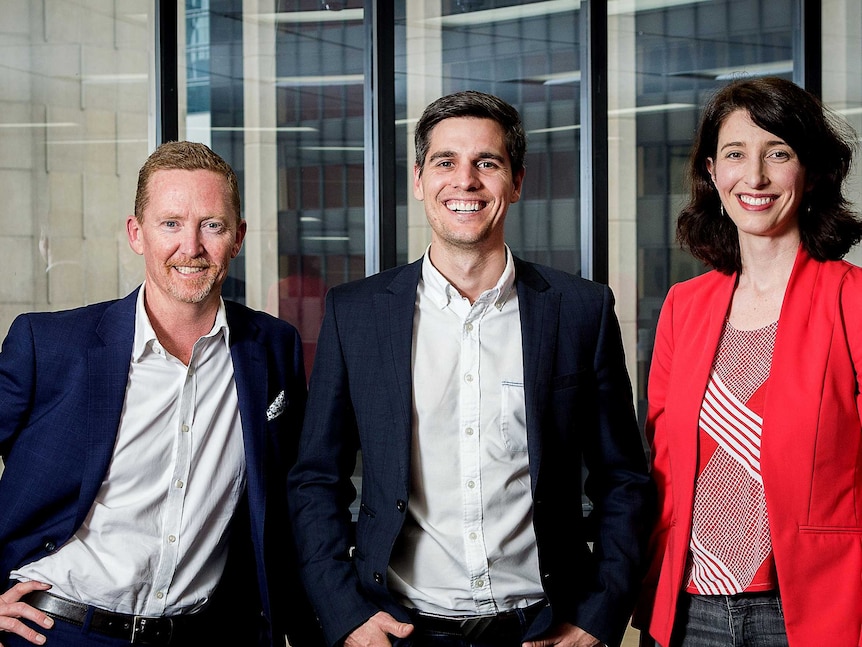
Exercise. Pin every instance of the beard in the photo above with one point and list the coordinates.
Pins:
(198, 290)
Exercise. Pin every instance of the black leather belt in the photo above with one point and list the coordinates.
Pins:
(139, 630)
(501, 627)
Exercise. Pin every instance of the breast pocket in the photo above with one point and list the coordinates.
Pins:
(513, 416)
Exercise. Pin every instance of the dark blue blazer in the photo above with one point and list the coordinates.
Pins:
(579, 408)
(62, 383)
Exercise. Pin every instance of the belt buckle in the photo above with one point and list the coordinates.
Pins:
(146, 630)
(475, 627)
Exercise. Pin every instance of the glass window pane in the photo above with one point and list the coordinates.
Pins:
(276, 88)
(526, 53)
(74, 89)
(664, 61)
(842, 83)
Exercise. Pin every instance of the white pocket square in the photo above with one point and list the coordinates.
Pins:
(274, 410)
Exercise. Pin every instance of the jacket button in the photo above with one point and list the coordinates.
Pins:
(50, 546)
(378, 578)
(401, 504)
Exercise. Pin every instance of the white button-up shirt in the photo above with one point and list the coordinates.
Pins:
(155, 540)
(468, 545)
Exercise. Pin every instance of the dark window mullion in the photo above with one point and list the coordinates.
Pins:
(380, 154)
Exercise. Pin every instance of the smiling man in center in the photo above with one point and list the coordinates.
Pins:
(476, 385)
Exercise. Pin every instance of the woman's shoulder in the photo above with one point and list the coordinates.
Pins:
(703, 284)
(841, 273)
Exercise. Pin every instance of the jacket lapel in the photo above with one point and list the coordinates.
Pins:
(394, 309)
(539, 308)
(696, 350)
(252, 380)
(108, 370)
(795, 398)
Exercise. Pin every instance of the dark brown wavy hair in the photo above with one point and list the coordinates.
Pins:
(824, 144)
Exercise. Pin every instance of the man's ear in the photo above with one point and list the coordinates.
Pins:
(133, 231)
(240, 236)
(418, 191)
(518, 183)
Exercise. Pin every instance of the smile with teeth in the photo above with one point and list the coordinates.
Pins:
(464, 206)
(756, 201)
(185, 269)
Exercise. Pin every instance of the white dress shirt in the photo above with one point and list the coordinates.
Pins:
(155, 540)
(468, 546)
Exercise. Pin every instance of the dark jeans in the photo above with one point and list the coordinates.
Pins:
(743, 620)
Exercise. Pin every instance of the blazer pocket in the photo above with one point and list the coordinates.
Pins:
(567, 381)
(831, 530)
(276, 407)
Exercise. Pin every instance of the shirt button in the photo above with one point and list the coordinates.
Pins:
(185, 427)
(471, 484)
(472, 536)
(179, 484)
(160, 595)
(469, 431)
(172, 538)
(468, 378)
(480, 584)
(468, 327)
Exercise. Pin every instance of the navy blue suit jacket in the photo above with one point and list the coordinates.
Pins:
(579, 408)
(62, 384)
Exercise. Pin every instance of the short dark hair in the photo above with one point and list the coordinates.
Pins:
(825, 146)
(480, 105)
(185, 156)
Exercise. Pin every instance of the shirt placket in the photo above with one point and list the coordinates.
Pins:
(470, 424)
(176, 493)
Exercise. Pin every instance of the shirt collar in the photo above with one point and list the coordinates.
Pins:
(145, 336)
(442, 292)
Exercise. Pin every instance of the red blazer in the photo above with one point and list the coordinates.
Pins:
(811, 452)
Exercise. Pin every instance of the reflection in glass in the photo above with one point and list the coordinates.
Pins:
(526, 53)
(663, 62)
(73, 133)
(319, 94)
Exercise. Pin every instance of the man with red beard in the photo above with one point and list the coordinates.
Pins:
(147, 440)
(475, 384)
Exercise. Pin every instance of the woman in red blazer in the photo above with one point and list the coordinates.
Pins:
(754, 404)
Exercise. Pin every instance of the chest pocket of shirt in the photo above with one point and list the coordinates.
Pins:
(513, 416)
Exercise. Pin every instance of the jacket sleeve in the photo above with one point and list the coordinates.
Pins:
(618, 486)
(320, 490)
(659, 377)
(301, 624)
(17, 375)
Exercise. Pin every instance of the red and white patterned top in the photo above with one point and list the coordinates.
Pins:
(731, 548)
